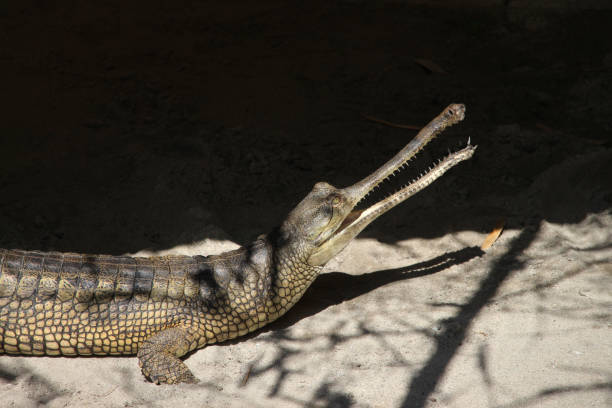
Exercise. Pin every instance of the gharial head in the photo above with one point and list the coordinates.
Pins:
(325, 221)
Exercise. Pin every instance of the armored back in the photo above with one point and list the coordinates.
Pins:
(100, 278)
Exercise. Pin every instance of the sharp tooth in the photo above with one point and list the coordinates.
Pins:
(469, 140)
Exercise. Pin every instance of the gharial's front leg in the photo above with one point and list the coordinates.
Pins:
(158, 356)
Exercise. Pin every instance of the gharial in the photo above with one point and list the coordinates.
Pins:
(160, 308)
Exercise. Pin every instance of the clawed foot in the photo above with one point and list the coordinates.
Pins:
(165, 369)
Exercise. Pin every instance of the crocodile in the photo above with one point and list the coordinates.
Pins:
(162, 308)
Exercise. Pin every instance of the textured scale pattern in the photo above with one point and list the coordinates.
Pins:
(62, 304)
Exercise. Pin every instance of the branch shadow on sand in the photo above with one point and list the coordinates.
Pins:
(36, 389)
(454, 330)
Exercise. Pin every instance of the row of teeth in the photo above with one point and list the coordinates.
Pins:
(431, 167)
(403, 166)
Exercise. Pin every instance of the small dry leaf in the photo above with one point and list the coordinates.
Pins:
(386, 122)
(430, 66)
(246, 375)
(493, 235)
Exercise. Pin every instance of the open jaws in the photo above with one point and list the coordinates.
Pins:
(356, 220)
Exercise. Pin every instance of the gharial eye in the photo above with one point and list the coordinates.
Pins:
(336, 201)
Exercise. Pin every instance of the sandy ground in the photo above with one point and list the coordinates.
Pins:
(189, 129)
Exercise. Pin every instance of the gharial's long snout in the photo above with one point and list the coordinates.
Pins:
(356, 221)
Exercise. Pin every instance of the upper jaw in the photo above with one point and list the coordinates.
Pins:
(354, 222)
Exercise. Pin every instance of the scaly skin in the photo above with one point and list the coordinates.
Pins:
(161, 308)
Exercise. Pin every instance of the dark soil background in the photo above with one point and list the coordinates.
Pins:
(140, 125)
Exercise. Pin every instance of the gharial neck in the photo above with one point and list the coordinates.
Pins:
(292, 274)
(270, 271)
